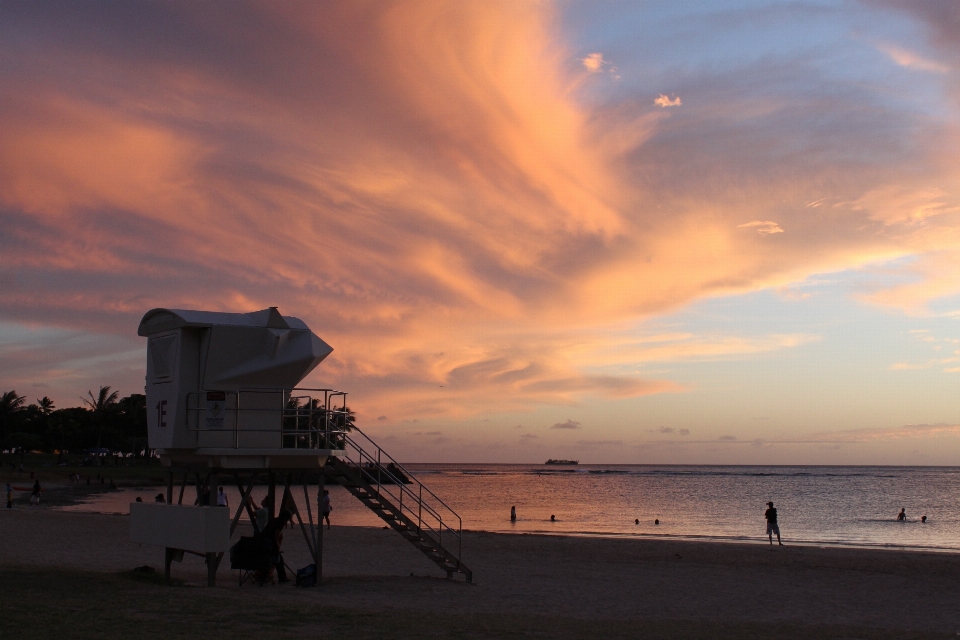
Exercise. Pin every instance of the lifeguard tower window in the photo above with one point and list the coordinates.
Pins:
(163, 352)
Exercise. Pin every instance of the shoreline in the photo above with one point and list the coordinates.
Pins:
(719, 540)
(58, 496)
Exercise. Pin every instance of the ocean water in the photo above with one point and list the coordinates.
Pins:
(854, 506)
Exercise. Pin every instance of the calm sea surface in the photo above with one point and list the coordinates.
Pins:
(827, 505)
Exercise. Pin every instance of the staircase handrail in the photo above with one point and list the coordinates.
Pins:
(407, 473)
(422, 520)
(402, 487)
(418, 500)
(395, 481)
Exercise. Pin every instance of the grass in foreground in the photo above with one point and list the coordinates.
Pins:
(72, 604)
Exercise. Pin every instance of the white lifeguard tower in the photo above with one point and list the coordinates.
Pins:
(222, 400)
(221, 390)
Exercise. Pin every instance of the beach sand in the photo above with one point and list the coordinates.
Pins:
(573, 578)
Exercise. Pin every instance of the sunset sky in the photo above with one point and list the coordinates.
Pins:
(657, 232)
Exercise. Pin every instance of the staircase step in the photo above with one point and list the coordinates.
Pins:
(362, 484)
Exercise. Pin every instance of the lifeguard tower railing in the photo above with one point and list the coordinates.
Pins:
(269, 418)
(310, 419)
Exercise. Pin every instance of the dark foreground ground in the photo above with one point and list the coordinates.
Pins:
(67, 575)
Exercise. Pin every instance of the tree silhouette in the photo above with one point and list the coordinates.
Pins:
(10, 403)
(343, 419)
(99, 406)
(46, 405)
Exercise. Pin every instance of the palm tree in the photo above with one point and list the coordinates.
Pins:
(46, 405)
(99, 406)
(10, 403)
(341, 420)
(344, 419)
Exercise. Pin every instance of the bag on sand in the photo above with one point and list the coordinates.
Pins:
(307, 577)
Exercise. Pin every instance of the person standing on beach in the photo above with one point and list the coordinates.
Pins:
(262, 515)
(772, 527)
(513, 514)
(222, 498)
(325, 508)
(902, 516)
(35, 495)
(9, 496)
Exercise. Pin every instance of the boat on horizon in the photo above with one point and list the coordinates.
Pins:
(552, 461)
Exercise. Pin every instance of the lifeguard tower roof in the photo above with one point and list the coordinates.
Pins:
(157, 320)
(248, 350)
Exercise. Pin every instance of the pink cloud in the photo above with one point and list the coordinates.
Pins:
(422, 186)
(593, 62)
(666, 101)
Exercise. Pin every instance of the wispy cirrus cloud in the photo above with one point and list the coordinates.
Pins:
(911, 59)
(420, 183)
(871, 436)
(591, 444)
(763, 227)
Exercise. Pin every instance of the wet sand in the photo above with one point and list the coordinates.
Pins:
(585, 578)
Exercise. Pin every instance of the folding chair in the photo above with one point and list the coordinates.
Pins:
(251, 558)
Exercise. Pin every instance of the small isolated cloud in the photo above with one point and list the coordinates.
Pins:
(888, 433)
(381, 418)
(526, 437)
(684, 432)
(914, 366)
(569, 424)
(896, 204)
(763, 227)
(665, 101)
(913, 60)
(599, 443)
(666, 429)
(593, 62)
(790, 293)
(727, 438)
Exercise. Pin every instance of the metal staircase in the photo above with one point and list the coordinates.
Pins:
(402, 501)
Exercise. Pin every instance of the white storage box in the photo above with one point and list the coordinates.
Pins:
(199, 529)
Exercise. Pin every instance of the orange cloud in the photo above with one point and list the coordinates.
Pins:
(912, 60)
(763, 227)
(425, 185)
(593, 62)
(665, 101)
